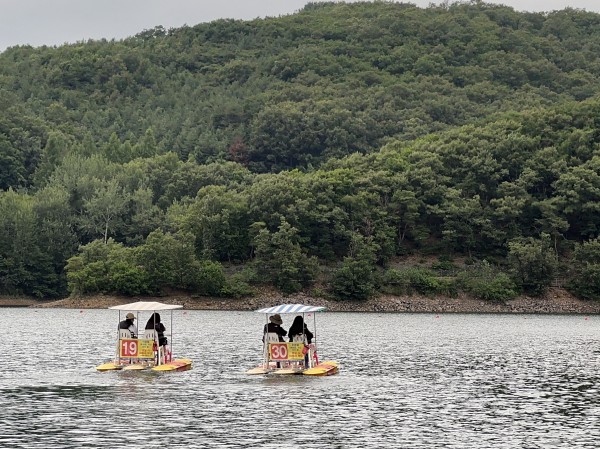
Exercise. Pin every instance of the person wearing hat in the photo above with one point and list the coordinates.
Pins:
(127, 323)
(274, 326)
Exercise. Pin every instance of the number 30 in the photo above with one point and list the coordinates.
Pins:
(279, 351)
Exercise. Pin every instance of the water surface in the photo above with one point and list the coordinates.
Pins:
(406, 381)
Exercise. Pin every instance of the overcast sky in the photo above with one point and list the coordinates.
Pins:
(54, 22)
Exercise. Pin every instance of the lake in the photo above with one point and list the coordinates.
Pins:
(406, 381)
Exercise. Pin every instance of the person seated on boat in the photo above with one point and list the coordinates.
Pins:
(154, 323)
(128, 324)
(275, 327)
(299, 328)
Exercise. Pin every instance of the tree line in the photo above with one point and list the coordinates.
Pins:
(311, 151)
(505, 191)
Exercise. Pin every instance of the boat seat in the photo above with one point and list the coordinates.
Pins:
(151, 334)
(272, 337)
(124, 333)
(302, 339)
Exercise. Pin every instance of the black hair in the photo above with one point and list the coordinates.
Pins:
(297, 327)
(153, 321)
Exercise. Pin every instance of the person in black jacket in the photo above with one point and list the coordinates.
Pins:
(154, 323)
(299, 328)
(275, 327)
(128, 324)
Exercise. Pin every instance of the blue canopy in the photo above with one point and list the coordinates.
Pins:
(291, 308)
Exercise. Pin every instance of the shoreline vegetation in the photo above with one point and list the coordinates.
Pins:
(554, 301)
(348, 150)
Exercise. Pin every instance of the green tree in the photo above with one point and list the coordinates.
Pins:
(106, 267)
(207, 278)
(170, 260)
(104, 210)
(356, 278)
(147, 146)
(578, 197)
(280, 260)
(219, 220)
(12, 167)
(585, 282)
(142, 216)
(24, 267)
(56, 224)
(57, 147)
(156, 256)
(466, 223)
(533, 263)
(114, 150)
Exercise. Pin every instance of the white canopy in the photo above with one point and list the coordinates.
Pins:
(292, 308)
(146, 305)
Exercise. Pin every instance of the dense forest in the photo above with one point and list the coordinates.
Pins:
(334, 150)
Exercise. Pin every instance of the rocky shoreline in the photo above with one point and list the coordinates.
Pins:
(556, 301)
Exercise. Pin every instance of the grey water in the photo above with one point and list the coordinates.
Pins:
(406, 381)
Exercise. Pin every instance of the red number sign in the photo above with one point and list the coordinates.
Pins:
(129, 348)
(279, 351)
(286, 351)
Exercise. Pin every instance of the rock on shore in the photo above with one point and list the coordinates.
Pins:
(554, 301)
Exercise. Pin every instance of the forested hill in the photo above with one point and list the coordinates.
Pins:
(288, 92)
(344, 136)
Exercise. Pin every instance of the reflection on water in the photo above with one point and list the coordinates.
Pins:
(406, 381)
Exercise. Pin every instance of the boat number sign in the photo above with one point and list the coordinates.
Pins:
(286, 351)
(136, 348)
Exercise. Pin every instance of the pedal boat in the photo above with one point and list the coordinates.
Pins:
(288, 358)
(144, 353)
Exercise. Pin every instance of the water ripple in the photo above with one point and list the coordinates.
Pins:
(407, 381)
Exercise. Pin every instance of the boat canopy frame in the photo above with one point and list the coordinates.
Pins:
(148, 306)
(296, 309)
